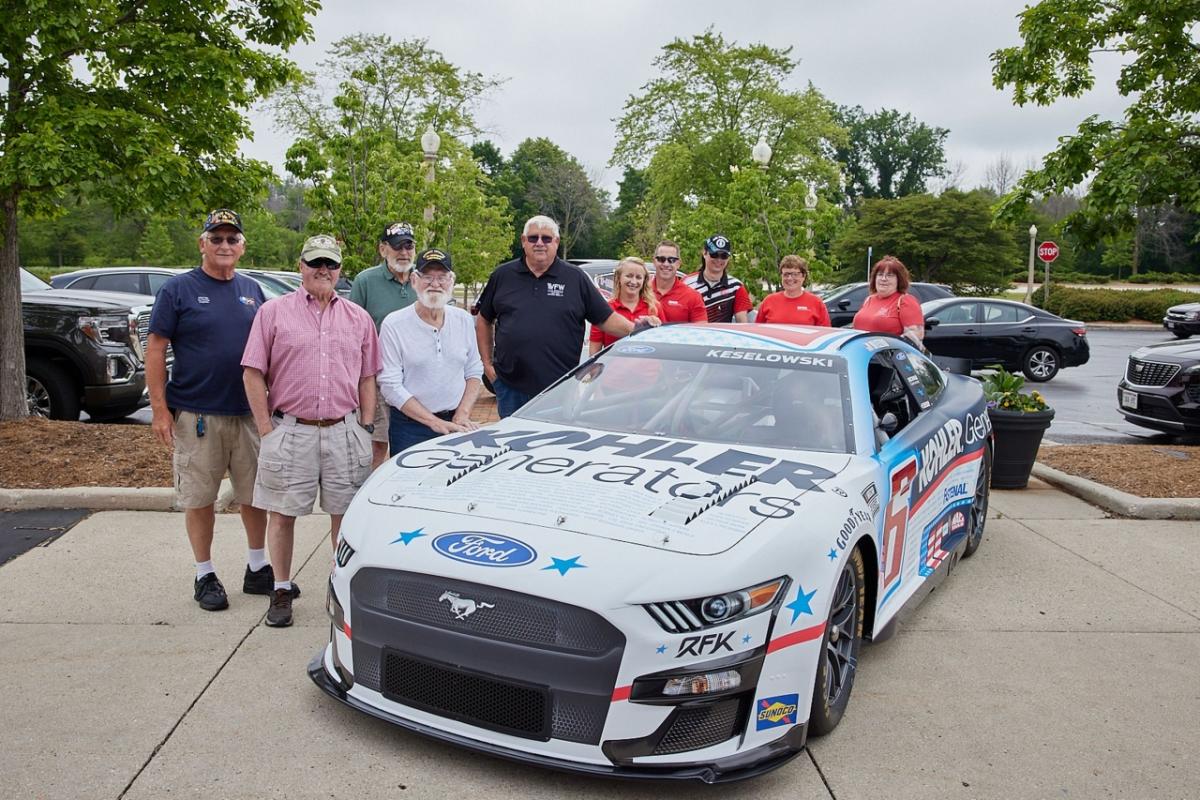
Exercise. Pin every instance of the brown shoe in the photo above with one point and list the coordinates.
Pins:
(279, 615)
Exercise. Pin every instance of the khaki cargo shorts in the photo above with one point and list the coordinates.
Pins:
(296, 460)
(229, 445)
(381, 418)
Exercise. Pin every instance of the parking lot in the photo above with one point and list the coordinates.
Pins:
(1059, 662)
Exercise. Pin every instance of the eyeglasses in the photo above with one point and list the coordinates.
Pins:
(885, 275)
(792, 273)
(436, 277)
(720, 255)
(234, 240)
(322, 263)
(667, 259)
(534, 239)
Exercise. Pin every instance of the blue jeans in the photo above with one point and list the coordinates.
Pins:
(508, 398)
(403, 432)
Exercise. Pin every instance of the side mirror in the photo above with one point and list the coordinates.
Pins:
(843, 305)
(930, 324)
(889, 424)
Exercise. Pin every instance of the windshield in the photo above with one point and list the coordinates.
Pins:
(32, 283)
(767, 398)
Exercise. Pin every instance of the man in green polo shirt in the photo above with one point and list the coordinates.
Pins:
(381, 290)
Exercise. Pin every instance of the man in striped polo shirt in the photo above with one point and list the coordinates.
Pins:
(725, 298)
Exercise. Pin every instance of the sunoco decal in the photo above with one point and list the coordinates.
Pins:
(772, 712)
(484, 549)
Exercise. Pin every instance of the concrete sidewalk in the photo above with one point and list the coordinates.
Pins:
(1060, 661)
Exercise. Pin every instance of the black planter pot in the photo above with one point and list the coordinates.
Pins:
(1018, 436)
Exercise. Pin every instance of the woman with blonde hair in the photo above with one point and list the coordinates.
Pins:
(633, 299)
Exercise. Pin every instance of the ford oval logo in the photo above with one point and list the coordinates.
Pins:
(484, 549)
(638, 349)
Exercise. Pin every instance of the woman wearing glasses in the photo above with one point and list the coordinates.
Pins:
(633, 299)
(794, 305)
(889, 308)
(677, 302)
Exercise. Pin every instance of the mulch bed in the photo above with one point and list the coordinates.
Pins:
(1140, 469)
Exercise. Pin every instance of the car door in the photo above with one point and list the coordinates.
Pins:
(1007, 331)
(843, 308)
(957, 331)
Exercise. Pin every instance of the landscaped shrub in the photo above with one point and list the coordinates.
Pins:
(1112, 305)
(1164, 277)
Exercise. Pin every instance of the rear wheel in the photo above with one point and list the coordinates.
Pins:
(839, 647)
(50, 392)
(1041, 363)
(980, 505)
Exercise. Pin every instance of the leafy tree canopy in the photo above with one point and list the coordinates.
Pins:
(1150, 156)
(889, 154)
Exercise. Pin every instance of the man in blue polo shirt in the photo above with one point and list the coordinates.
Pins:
(531, 318)
(202, 413)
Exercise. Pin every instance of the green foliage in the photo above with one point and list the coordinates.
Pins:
(1003, 390)
(948, 239)
(1112, 305)
(156, 248)
(889, 154)
(360, 152)
(1150, 156)
(1162, 277)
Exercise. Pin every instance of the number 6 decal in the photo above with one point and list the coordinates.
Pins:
(895, 524)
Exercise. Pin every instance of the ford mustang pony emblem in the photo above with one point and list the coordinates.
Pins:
(461, 607)
(484, 549)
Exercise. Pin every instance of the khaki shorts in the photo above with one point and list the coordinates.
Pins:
(229, 444)
(381, 419)
(295, 460)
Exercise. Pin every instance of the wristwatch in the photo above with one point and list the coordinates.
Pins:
(368, 427)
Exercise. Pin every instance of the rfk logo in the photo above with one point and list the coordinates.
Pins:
(705, 645)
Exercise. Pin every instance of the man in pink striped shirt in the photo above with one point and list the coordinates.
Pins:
(309, 370)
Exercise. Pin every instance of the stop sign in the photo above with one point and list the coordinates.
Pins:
(1047, 251)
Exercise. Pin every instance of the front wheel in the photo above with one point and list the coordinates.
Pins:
(1041, 363)
(50, 392)
(839, 647)
(1180, 334)
(979, 506)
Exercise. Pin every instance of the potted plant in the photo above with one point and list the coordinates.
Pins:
(1019, 419)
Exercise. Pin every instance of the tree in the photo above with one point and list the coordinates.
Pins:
(360, 152)
(1000, 175)
(1149, 157)
(156, 248)
(889, 154)
(945, 239)
(141, 103)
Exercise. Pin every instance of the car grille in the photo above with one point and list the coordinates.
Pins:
(1177, 316)
(143, 329)
(459, 694)
(702, 726)
(1149, 373)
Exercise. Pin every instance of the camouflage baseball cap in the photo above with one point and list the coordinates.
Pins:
(222, 216)
(321, 246)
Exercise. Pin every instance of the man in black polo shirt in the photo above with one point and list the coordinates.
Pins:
(538, 305)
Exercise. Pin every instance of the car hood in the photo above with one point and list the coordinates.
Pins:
(1183, 308)
(1170, 351)
(88, 299)
(672, 494)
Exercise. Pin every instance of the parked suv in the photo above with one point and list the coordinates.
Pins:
(1161, 387)
(844, 302)
(82, 351)
(1183, 320)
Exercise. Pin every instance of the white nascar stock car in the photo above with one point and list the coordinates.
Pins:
(665, 564)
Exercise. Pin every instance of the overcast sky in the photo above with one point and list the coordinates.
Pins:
(568, 68)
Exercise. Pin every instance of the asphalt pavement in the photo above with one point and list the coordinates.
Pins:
(1059, 662)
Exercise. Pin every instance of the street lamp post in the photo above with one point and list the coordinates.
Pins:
(810, 205)
(430, 142)
(1029, 282)
(761, 153)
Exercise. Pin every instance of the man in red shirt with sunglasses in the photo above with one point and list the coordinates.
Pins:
(677, 302)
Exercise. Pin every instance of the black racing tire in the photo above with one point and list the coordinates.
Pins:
(979, 507)
(839, 647)
(50, 391)
(1180, 334)
(1041, 363)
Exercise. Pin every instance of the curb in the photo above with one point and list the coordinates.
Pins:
(1124, 326)
(103, 498)
(1118, 502)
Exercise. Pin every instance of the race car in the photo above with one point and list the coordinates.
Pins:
(664, 565)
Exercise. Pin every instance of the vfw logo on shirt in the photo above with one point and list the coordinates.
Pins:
(202, 299)
(555, 289)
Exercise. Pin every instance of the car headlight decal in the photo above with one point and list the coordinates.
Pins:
(703, 684)
(683, 616)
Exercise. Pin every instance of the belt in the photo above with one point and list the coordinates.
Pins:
(320, 423)
(448, 416)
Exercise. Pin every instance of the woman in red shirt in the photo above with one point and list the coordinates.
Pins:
(793, 306)
(889, 308)
(633, 299)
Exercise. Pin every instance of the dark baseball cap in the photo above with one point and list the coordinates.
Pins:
(396, 233)
(718, 243)
(433, 258)
(222, 216)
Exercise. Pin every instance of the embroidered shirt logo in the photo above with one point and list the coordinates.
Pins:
(202, 299)
(555, 289)
(246, 301)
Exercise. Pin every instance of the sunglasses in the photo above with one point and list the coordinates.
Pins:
(720, 255)
(408, 244)
(234, 240)
(322, 263)
(667, 259)
(544, 238)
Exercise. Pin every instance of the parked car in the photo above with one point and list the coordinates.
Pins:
(844, 302)
(1013, 335)
(148, 280)
(600, 271)
(1161, 387)
(1183, 320)
(664, 565)
(82, 351)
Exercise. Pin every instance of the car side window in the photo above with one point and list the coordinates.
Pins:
(83, 283)
(994, 312)
(891, 391)
(124, 282)
(956, 314)
(157, 281)
(929, 379)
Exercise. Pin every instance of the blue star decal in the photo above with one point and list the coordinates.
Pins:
(408, 536)
(662, 648)
(746, 639)
(565, 565)
(802, 603)
(832, 554)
